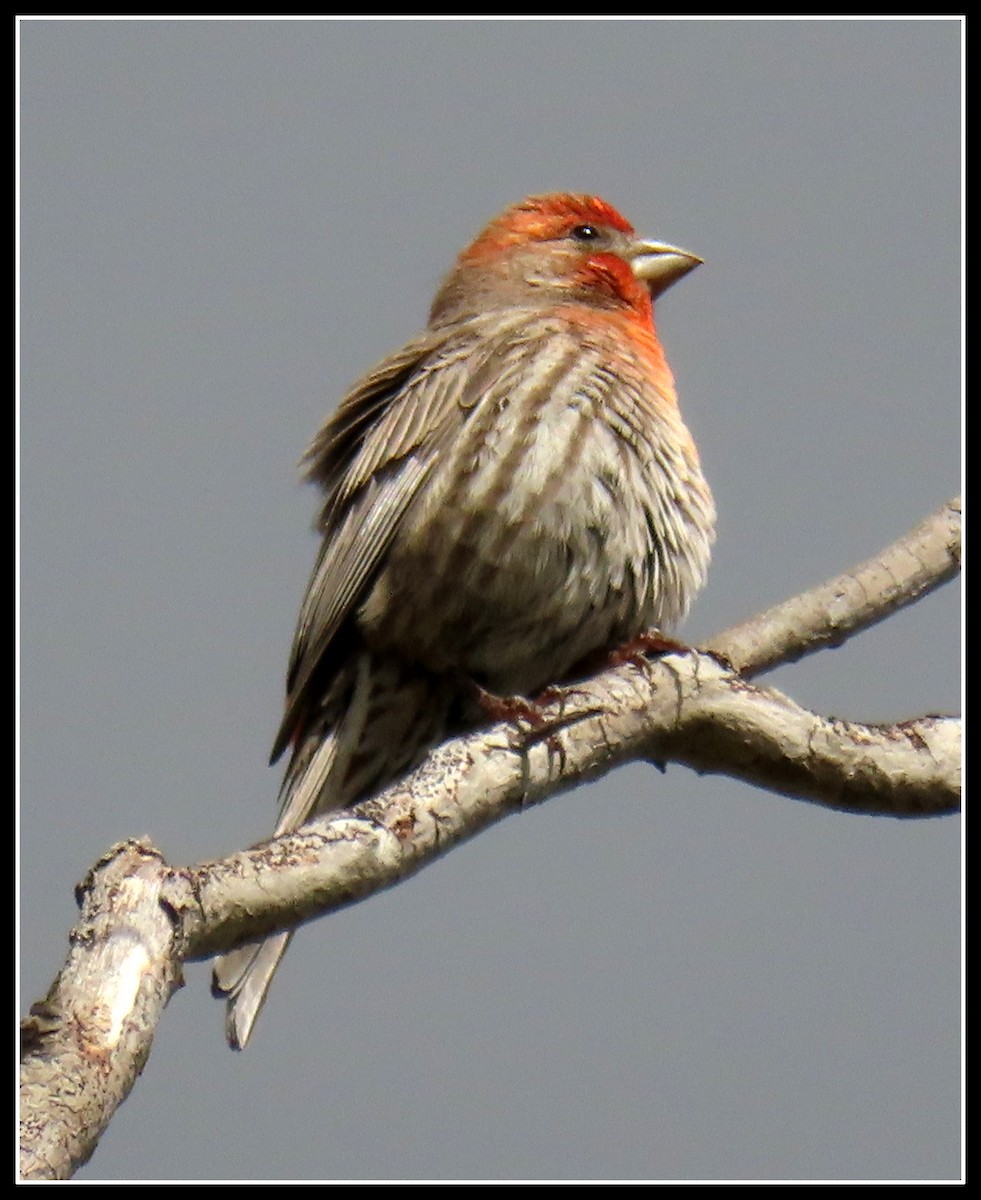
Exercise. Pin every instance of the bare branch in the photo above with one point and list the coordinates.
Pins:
(85, 1043)
(684, 708)
(828, 615)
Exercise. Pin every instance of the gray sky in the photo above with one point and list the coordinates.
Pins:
(656, 977)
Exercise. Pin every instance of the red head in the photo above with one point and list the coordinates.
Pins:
(560, 249)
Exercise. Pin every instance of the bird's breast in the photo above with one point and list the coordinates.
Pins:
(548, 531)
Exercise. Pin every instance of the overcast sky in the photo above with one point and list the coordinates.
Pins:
(655, 977)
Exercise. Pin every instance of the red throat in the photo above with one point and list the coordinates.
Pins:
(609, 277)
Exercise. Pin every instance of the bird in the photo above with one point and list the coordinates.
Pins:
(511, 493)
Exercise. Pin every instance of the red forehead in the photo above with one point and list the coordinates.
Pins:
(541, 217)
(561, 208)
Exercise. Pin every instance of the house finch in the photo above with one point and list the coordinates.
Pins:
(508, 494)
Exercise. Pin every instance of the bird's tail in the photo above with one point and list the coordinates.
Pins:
(243, 976)
(378, 720)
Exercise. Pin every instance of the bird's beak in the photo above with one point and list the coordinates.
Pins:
(659, 264)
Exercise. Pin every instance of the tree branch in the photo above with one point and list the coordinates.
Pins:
(85, 1044)
(829, 614)
(684, 708)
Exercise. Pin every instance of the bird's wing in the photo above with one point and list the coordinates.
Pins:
(371, 458)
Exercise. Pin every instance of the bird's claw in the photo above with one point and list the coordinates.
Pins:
(640, 649)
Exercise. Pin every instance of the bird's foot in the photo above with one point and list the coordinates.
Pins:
(541, 725)
(515, 709)
(640, 649)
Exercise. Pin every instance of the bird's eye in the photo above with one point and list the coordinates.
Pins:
(585, 233)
